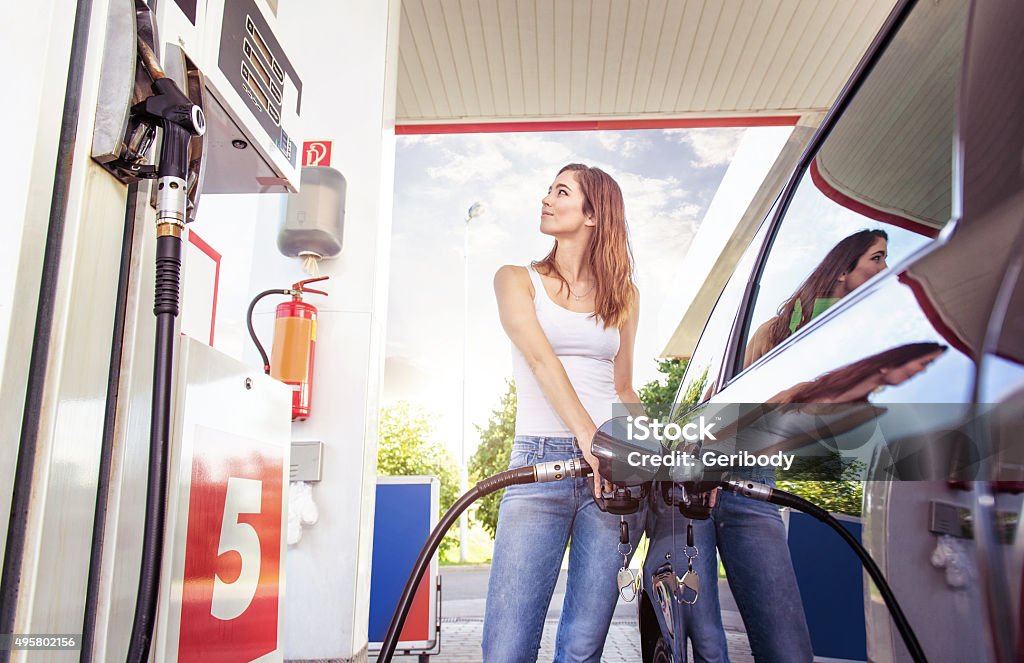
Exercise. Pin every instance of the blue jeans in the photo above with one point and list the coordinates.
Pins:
(751, 538)
(535, 522)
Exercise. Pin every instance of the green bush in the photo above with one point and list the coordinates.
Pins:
(842, 495)
(492, 456)
(658, 396)
(406, 447)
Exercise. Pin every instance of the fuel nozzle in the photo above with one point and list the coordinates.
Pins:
(623, 500)
(180, 119)
(695, 499)
(624, 462)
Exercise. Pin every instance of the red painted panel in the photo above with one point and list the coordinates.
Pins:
(418, 626)
(597, 125)
(232, 581)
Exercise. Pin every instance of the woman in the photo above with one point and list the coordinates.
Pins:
(572, 319)
(846, 267)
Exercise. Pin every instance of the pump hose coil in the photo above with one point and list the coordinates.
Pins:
(557, 470)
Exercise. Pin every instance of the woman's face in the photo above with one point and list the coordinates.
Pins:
(561, 211)
(870, 263)
(903, 372)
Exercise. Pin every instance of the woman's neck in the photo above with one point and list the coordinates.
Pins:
(569, 259)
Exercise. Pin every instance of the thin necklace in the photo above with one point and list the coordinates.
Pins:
(574, 295)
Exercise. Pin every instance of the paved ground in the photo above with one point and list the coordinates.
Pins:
(463, 594)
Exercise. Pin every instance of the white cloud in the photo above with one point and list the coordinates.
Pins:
(713, 147)
(483, 164)
(538, 147)
(624, 145)
(487, 234)
(416, 139)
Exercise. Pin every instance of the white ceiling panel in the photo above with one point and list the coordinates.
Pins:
(521, 60)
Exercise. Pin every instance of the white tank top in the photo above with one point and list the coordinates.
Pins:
(587, 351)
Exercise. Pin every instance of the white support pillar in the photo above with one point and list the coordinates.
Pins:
(346, 55)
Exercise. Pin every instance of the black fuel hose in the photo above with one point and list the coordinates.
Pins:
(165, 307)
(252, 331)
(180, 120)
(759, 491)
(557, 470)
(542, 472)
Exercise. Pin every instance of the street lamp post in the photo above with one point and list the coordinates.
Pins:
(475, 210)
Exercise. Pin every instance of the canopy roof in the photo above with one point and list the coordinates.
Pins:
(474, 61)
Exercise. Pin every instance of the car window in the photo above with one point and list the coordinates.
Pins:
(879, 187)
(699, 379)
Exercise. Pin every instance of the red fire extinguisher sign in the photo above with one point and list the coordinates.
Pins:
(231, 594)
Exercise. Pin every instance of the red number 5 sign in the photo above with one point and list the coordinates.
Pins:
(231, 593)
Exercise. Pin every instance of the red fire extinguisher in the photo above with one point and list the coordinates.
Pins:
(291, 359)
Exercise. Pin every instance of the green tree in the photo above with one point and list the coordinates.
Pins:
(844, 494)
(658, 396)
(492, 456)
(406, 447)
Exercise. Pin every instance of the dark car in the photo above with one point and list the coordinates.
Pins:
(916, 343)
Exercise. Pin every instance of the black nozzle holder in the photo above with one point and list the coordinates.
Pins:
(180, 120)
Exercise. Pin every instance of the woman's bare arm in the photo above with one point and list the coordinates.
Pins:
(518, 317)
(759, 344)
(624, 359)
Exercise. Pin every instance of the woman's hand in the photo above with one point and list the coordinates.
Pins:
(585, 440)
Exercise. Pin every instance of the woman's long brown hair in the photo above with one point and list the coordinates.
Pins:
(841, 258)
(609, 256)
(844, 378)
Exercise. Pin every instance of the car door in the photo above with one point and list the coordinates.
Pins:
(887, 159)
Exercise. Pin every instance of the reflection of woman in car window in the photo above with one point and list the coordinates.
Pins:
(856, 381)
(788, 418)
(847, 266)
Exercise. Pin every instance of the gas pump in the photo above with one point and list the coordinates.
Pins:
(210, 84)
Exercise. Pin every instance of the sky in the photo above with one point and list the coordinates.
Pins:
(668, 179)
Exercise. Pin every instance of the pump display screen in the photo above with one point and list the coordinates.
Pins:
(255, 64)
